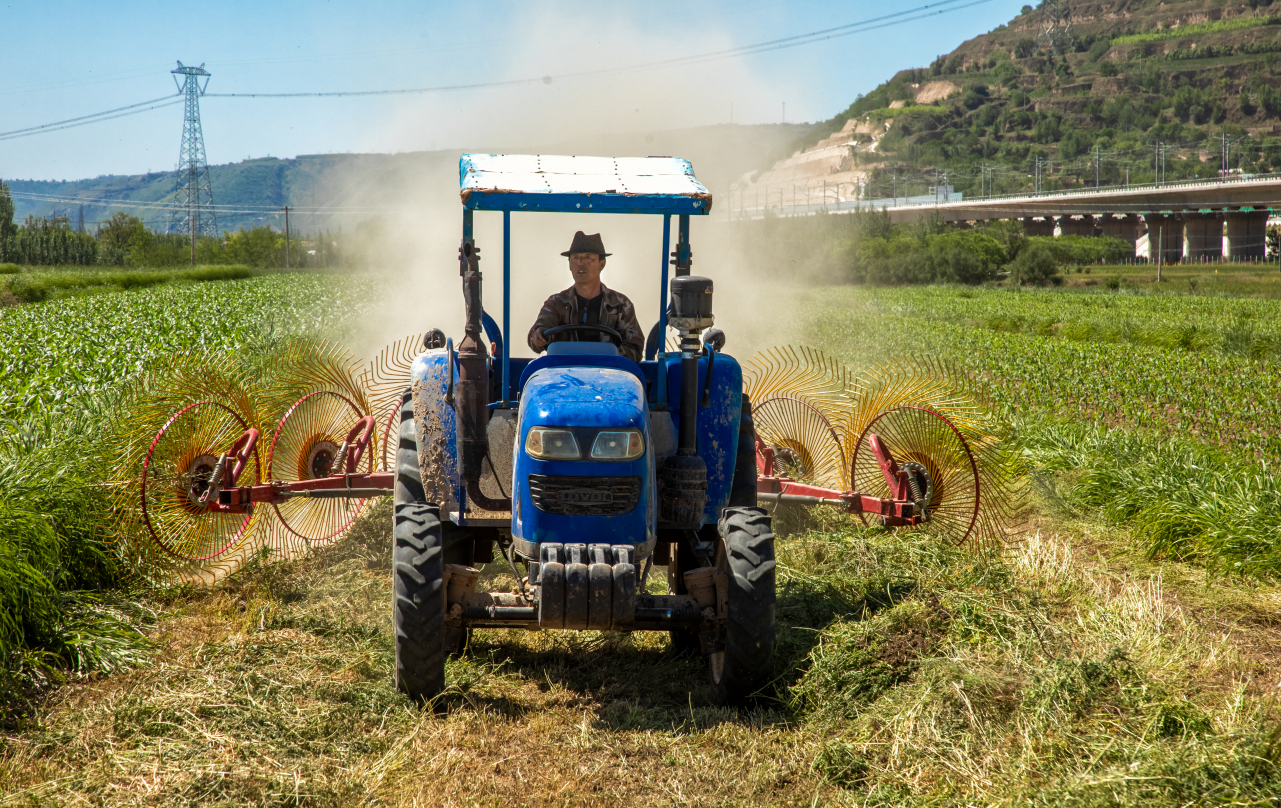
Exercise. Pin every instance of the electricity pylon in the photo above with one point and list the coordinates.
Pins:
(1056, 26)
(192, 194)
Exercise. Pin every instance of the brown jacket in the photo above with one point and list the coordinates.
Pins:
(616, 313)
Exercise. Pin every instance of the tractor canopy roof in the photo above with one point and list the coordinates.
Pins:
(557, 183)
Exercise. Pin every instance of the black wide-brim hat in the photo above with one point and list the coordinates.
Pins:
(584, 243)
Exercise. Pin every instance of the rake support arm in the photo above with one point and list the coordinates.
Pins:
(893, 512)
(353, 486)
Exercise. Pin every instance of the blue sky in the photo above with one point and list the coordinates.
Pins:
(64, 60)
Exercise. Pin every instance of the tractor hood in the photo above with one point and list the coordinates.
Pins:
(583, 396)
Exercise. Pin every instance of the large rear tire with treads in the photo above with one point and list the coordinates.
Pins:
(746, 666)
(418, 572)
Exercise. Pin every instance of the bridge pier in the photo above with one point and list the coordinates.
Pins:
(1083, 226)
(1165, 237)
(1124, 227)
(1038, 227)
(1203, 236)
(1247, 234)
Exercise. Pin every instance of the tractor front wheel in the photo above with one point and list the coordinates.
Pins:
(418, 572)
(744, 669)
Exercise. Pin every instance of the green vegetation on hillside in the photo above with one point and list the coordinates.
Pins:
(1135, 97)
(1198, 29)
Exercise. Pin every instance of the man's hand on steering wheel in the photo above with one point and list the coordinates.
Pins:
(613, 335)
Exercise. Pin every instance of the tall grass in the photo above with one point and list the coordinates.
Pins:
(57, 609)
(1181, 499)
(37, 287)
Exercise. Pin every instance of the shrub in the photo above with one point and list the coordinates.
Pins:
(227, 273)
(27, 290)
(10, 269)
(1035, 266)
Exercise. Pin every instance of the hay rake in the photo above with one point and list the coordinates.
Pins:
(220, 463)
(903, 444)
(217, 462)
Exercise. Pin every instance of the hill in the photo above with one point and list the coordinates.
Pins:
(1152, 87)
(333, 190)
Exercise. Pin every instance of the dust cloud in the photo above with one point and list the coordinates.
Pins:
(660, 112)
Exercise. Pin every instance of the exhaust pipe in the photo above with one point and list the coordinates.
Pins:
(472, 397)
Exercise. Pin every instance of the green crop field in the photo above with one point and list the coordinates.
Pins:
(1124, 653)
(63, 350)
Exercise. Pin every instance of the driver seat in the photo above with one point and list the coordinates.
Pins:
(581, 349)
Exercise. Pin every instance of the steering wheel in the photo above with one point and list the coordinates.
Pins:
(613, 335)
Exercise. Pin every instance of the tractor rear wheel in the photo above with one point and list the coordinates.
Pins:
(745, 667)
(418, 572)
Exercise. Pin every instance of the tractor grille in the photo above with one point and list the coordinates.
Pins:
(584, 496)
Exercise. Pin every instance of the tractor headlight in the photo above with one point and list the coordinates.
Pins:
(550, 443)
(622, 444)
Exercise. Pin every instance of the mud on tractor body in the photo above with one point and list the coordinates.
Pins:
(580, 470)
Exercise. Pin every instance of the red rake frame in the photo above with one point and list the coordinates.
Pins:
(346, 485)
(899, 509)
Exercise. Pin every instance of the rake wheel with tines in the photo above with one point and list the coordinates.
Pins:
(182, 473)
(190, 430)
(915, 453)
(805, 445)
(384, 382)
(323, 433)
(917, 445)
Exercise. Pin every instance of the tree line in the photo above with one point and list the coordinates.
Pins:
(124, 240)
(863, 247)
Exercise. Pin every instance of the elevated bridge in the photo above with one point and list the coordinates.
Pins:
(1190, 220)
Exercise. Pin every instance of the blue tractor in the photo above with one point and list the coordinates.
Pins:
(583, 469)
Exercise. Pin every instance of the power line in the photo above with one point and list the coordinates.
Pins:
(122, 203)
(83, 120)
(863, 26)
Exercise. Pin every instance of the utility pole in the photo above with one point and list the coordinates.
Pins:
(286, 209)
(1156, 157)
(1096, 168)
(1223, 155)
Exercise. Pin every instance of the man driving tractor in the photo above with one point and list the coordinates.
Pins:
(589, 302)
